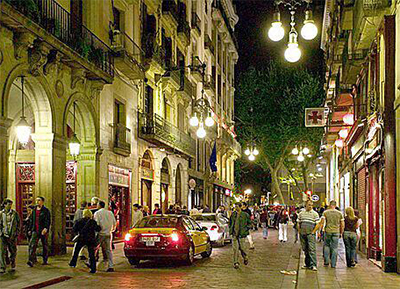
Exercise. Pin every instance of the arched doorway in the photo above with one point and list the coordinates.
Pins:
(29, 163)
(165, 181)
(147, 173)
(178, 185)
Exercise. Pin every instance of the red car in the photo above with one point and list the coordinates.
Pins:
(166, 237)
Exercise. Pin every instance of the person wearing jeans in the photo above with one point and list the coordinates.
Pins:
(334, 227)
(106, 220)
(350, 236)
(308, 224)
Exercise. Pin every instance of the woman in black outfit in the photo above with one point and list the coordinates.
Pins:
(86, 229)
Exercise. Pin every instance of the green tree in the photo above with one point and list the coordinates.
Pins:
(269, 106)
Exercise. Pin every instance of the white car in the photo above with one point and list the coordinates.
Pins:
(217, 227)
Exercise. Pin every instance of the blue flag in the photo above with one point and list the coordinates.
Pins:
(213, 158)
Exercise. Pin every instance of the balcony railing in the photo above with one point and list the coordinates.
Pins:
(184, 29)
(231, 141)
(186, 87)
(196, 22)
(52, 17)
(154, 51)
(156, 129)
(122, 139)
(122, 42)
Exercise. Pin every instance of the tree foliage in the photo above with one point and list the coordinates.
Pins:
(270, 105)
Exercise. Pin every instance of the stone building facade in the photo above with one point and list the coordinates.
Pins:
(123, 76)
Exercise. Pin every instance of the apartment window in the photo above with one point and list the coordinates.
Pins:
(117, 19)
(148, 100)
(119, 113)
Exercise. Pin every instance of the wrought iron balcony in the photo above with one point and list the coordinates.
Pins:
(159, 131)
(128, 55)
(196, 23)
(170, 11)
(55, 20)
(122, 139)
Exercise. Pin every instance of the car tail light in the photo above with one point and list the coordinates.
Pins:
(175, 237)
(128, 237)
(214, 227)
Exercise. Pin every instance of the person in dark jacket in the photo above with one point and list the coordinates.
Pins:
(157, 210)
(86, 229)
(9, 230)
(239, 229)
(41, 220)
(264, 222)
(246, 209)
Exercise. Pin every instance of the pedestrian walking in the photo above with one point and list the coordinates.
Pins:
(309, 224)
(295, 225)
(106, 220)
(157, 210)
(246, 209)
(334, 227)
(137, 215)
(78, 216)
(350, 236)
(239, 229)
(264, 222)
(41, 220)
(27, 223)
(10, 226)
(283, 224)
(86, 229)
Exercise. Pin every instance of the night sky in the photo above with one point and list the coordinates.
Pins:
(256, 49)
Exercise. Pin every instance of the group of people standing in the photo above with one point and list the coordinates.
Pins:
(334, 226)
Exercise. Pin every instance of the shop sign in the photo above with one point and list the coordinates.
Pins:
(147, 173)
(227, 192)
(315, 198)
(118, 176)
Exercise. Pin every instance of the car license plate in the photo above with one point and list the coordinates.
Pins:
(150, 241)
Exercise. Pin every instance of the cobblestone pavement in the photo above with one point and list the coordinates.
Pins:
(365, 275)
(263, 271)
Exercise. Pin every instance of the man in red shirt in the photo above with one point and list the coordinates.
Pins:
(41, 220)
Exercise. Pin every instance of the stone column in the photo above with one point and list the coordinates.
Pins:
(4, 125)
(50, 161)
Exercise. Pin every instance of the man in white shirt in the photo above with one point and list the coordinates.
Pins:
(106, 220)
(137, 215)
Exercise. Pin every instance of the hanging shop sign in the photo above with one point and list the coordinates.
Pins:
(315, 198)
(147, 173)
(118, 176)
(315, 117)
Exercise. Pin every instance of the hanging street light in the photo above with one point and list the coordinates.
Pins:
(251, 152)
(309, 30)
(74, 144)
(276, 32)
(23, 129)
(194, 120)
(209, 122)
(343, 133)
(348, 118)
(293, 52)
(306, 150)
(300, 158)
(201, 132)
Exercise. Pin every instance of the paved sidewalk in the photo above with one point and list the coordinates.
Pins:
(266, 262)
(365, 275)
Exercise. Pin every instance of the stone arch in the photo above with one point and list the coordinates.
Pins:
(86, 118)
(165, 183)
(178, 183)
(148, 160)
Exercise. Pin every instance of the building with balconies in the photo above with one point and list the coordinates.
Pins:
(359, 40)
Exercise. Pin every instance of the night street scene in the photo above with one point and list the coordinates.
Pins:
(223, 144)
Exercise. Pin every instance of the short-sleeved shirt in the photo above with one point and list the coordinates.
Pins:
(332, 218)
(307, 220)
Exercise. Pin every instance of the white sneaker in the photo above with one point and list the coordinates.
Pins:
(314, 268)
